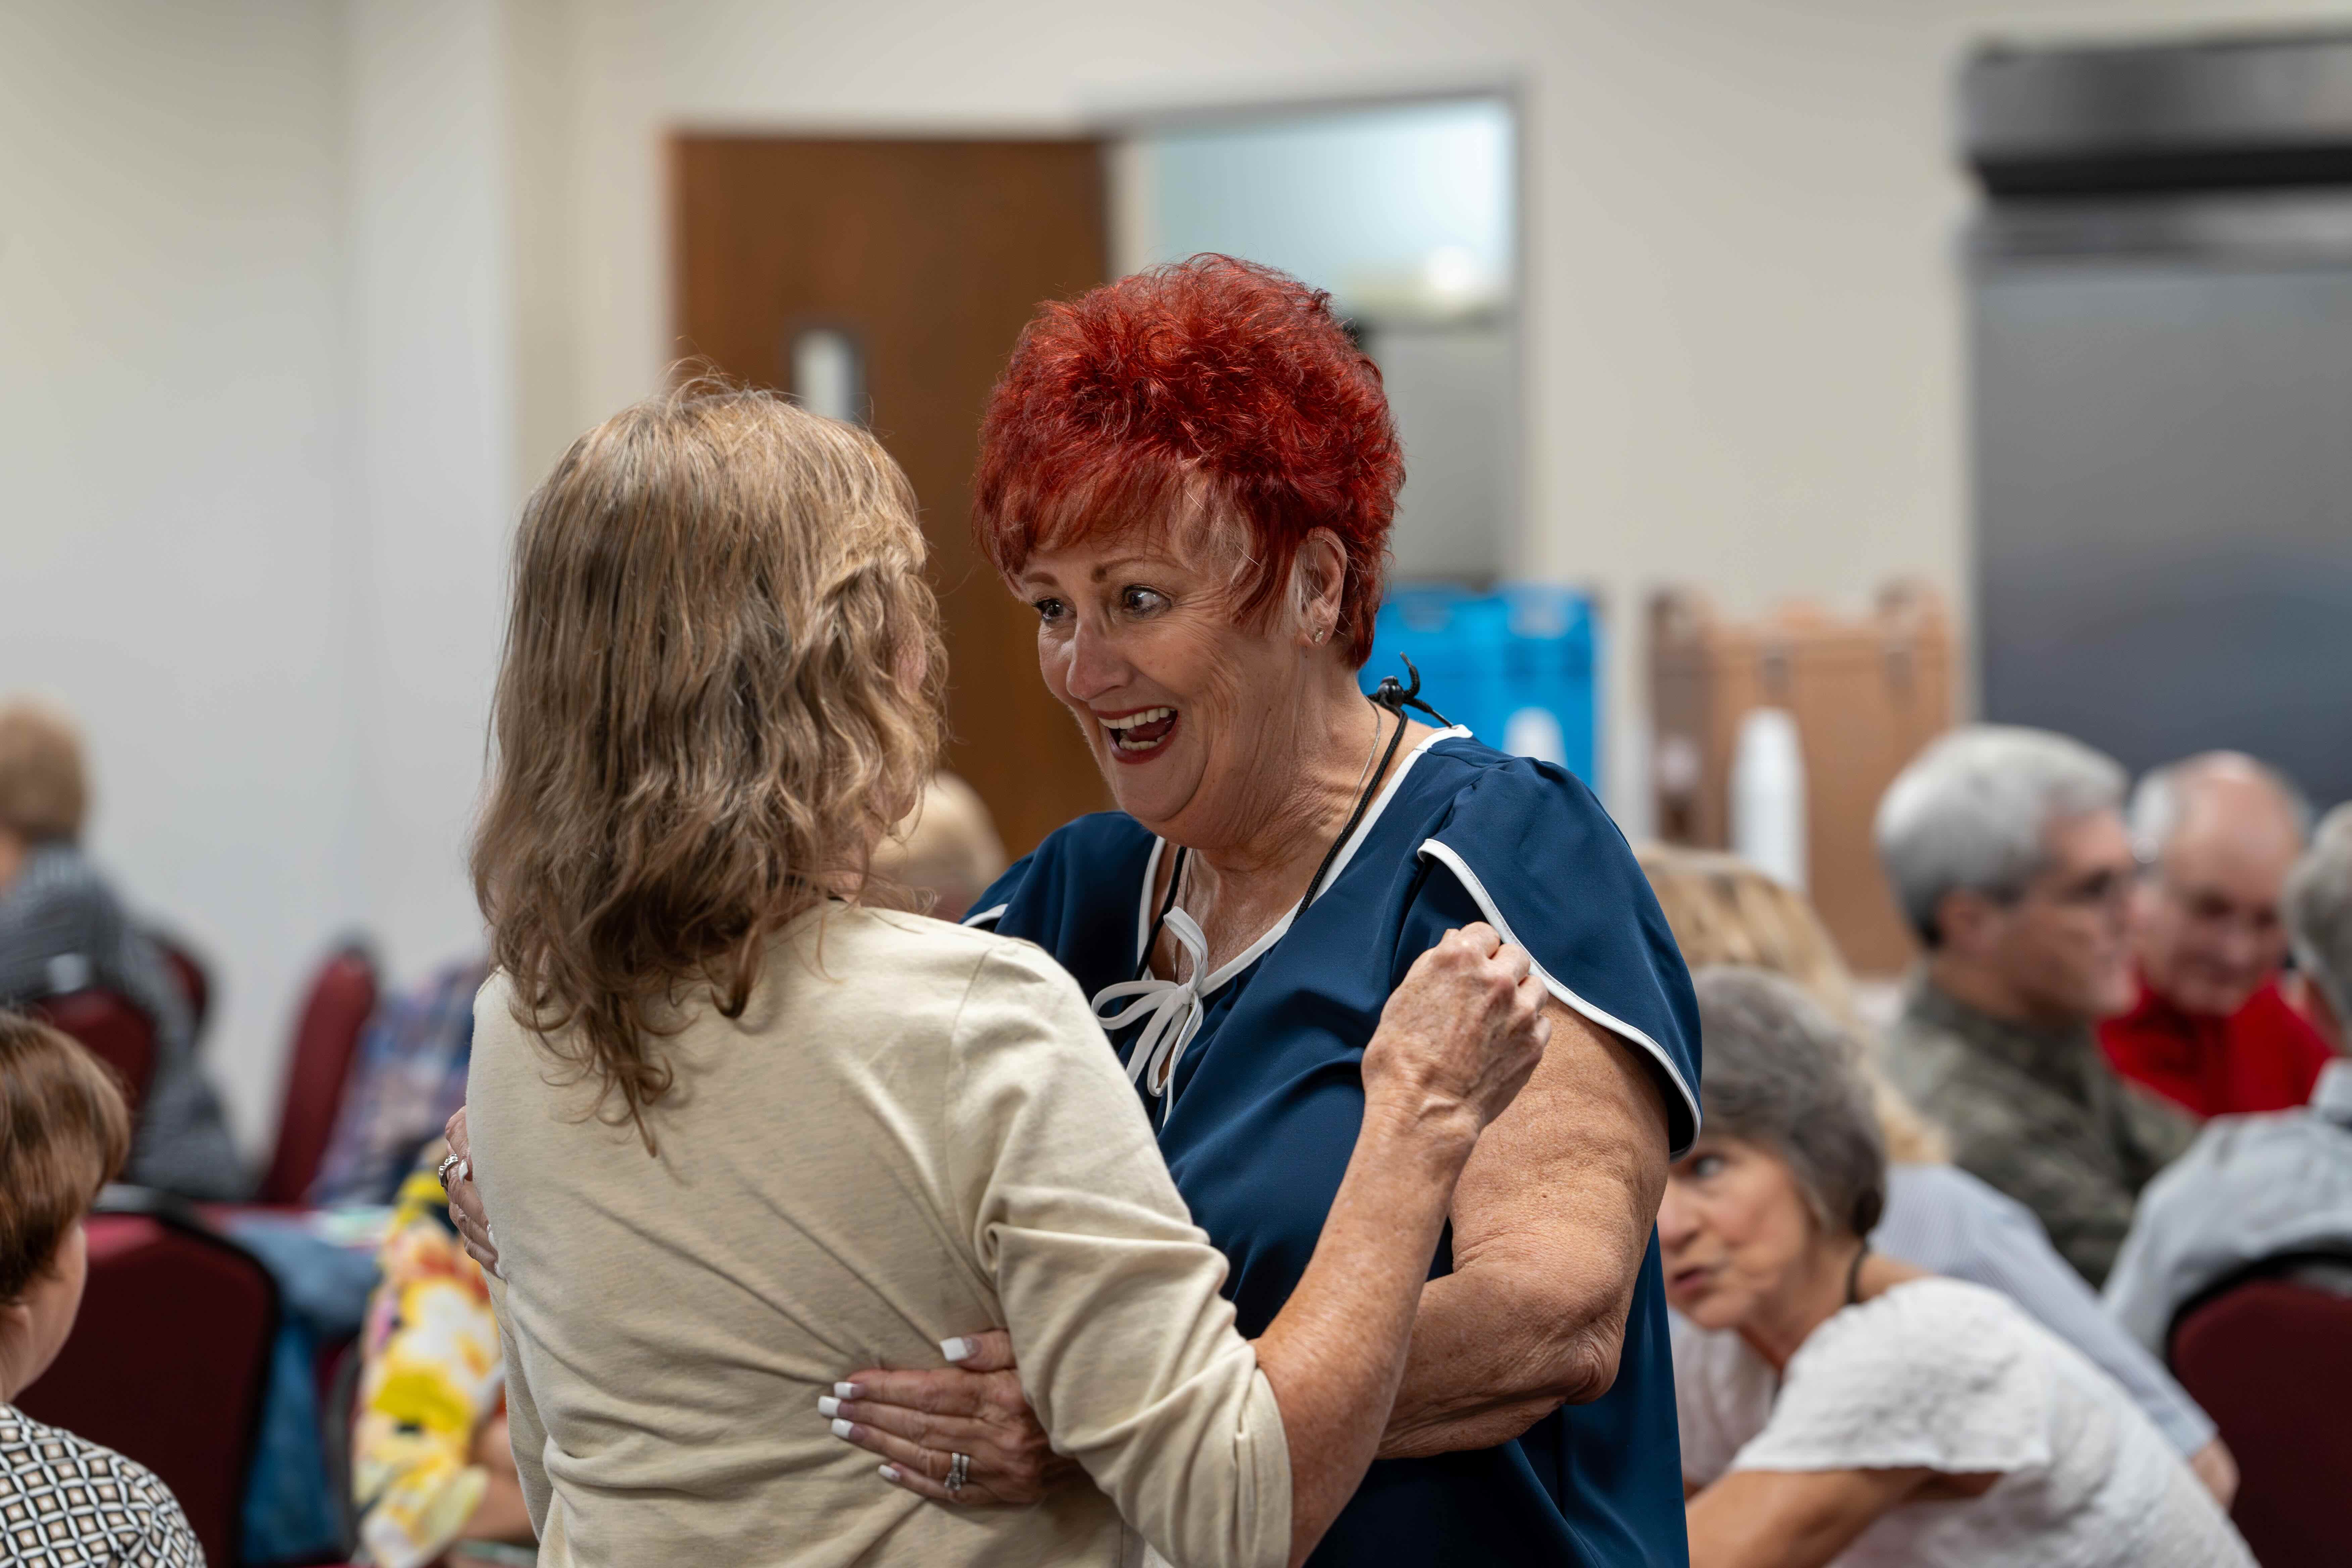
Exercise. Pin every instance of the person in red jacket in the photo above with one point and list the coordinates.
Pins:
(2216, 835)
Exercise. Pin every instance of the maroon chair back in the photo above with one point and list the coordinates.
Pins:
(115, 1031)
(326, 1038)
(168, 1362)
(188, 977)
(2271, 1361)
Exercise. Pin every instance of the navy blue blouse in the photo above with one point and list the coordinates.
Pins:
(1266, 1096)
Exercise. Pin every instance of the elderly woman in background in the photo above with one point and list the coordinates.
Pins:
(1838, 1404)
(1937, 1217)
(62, 928)
(739, 1127)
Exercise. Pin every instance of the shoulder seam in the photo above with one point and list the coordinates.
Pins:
(1446, 855)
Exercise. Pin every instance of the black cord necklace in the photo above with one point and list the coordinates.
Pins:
(1391, 696)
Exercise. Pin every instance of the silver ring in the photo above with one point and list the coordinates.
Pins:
(959, 1472)
(441, 1171)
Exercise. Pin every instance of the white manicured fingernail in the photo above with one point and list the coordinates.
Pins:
(827, 1405)
(847, 1390)
(957, 1349)
(890, 1473)
(465, 1169)
(842, 1428)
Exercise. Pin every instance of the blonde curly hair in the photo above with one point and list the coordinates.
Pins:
(721, 685)
(1724, 910)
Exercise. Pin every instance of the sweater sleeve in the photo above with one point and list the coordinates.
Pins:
(1127, 1348)
(1933, 1373)
(526, 1433)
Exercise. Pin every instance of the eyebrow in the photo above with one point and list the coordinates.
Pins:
(1106, 568)
(1101, 571)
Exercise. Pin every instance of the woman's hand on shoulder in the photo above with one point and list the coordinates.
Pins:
(916, 1422)
(466, 1211)
(1459, 1037)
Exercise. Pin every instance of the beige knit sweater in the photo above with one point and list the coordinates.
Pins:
(913, 1132)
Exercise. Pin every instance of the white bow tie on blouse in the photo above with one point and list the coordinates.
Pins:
(1170, 1009)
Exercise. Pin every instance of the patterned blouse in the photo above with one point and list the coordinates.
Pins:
(431, 1375)
(65, 1500)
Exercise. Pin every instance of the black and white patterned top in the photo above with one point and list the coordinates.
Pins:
(66, 1502)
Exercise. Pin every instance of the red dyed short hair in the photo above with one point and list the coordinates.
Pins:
(1213, 378)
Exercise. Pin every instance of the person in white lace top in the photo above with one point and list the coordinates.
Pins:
(1837, 1405)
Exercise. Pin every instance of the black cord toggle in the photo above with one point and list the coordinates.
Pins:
(1397, 698)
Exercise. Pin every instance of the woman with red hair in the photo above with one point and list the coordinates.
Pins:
(1190, 475)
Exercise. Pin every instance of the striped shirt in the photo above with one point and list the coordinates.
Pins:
(61, 928)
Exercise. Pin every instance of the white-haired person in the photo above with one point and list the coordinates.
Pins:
(2007, 854)
(2317, 909)
(1837, 1405)
(1937, 1216)
(2216, 835)
(737, 1127)
(2261, 1190)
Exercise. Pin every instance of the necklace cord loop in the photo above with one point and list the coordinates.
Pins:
(1396, 698)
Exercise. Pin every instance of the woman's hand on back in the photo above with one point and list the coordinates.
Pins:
(1455, 1043)
(1460, 1036)
(914, 1420)
(466, 1211)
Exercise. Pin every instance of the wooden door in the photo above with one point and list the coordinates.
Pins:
(928, 256)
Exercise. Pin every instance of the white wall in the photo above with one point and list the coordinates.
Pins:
(256, 400)
(176, 564)
(1744, 336)
(433, 336)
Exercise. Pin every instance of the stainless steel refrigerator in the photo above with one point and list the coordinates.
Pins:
(2160, 293)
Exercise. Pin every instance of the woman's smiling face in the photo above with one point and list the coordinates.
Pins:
(1189, 710)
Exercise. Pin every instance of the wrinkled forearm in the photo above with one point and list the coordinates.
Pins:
(1551, 1226)
(1332, 1352)
(1497, 1349)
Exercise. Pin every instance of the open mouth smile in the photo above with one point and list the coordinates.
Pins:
(1136, 736)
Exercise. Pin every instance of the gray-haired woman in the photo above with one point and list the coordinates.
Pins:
(1831, 1393)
